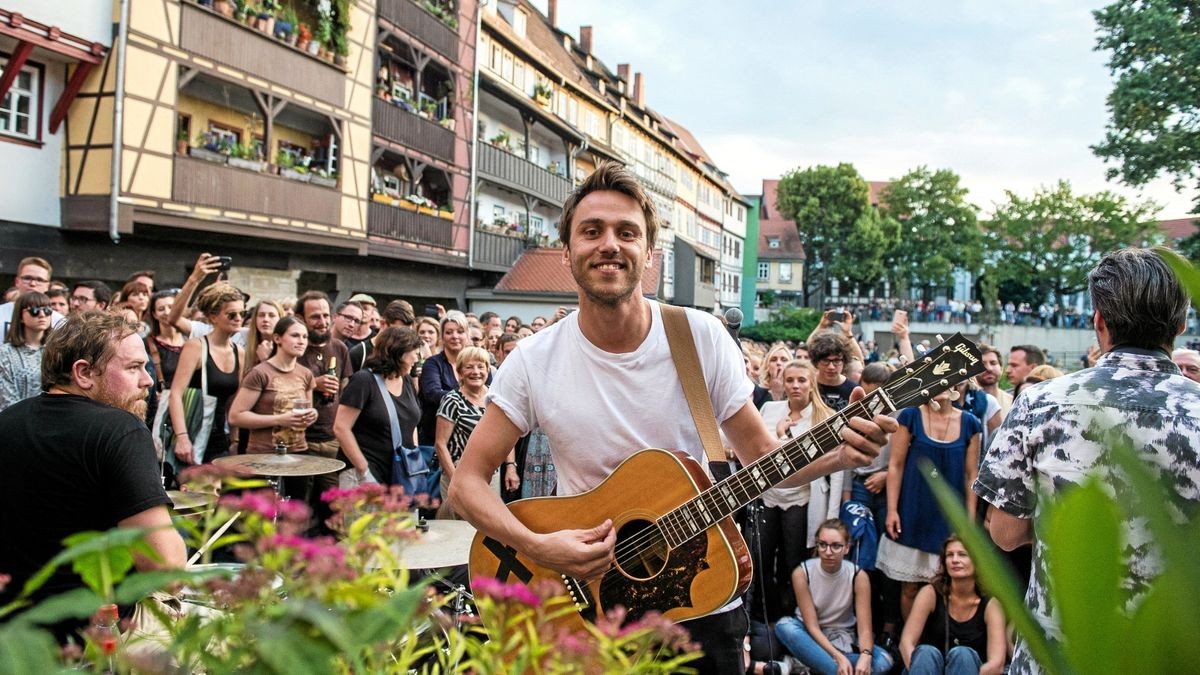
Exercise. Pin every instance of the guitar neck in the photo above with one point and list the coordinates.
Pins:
(725, 498)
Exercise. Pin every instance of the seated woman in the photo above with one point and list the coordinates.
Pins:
(834, 597)
(953, 626)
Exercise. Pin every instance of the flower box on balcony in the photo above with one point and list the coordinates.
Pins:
(292, 174)
(427, 211)
(405, 204)
(209, 155)
(445, 215)
(382, 198)
(248, 164)
(323, 181)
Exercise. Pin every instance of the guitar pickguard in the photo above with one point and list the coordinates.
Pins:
(669, 588)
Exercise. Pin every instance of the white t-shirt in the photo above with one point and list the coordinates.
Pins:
(786, 497)
(598, 408)
(6, 311)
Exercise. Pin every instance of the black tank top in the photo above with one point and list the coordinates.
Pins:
(221, 384)
(943, 632)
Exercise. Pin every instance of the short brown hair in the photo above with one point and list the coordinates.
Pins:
(399, 310)
(616, 178)
(89, 336)
(309, 296)
(985, 348)
(390, 347)
(35, 260)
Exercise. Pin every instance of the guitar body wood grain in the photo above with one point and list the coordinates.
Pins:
(690, 581)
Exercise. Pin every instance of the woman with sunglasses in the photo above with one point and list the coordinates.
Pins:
(223, 305)
(831, 632)
(953, 625)
(21, 355)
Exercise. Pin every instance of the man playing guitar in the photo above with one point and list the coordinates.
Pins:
(602, 385)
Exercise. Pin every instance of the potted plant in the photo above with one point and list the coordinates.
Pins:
(292, 21)
(304, 37)
(243, 157)
(323, 178)
(542, 93)
(210, 147)
(447, 123)
(224, 7)
(289, 169)
(446, 210)
(341, 49)
(501, 140)
(266, 16)
(181, 143)
(249, 14)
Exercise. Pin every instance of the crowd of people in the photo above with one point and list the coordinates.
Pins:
(856, 568)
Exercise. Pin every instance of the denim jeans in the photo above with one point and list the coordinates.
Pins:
(928, 660)
(795, 637)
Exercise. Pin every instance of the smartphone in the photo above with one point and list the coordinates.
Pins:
(836, 317)
(225, 263)
(900, 316)
(431, 311)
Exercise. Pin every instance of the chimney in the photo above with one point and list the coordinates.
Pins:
(623, 74)
(639, 90)
(585, 39)
(552, 12)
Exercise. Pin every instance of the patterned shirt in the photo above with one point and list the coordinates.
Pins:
(1052, 439)
(464, 415)
(20, 373)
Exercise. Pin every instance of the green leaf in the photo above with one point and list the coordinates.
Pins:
(287, 649)
(27, 650)
(91, 567)
(82, 544)
(995, 574)
(135, 587)
(78, 603)
(1085, 569)
(1188, 275)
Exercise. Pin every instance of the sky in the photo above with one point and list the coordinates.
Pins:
(1008, 94)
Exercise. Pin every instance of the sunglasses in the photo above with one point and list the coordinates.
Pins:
(235, 316)
(44, 310)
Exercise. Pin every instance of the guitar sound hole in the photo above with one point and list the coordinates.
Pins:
(641, 550)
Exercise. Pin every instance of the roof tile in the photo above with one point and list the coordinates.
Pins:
(541, 270)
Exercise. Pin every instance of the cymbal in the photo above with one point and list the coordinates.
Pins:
(447, 543)
(299, 464)
(186, 501)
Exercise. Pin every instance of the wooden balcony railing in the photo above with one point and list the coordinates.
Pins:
(204, 183)
(515, 173)
(208, 34)
(413, 130)
(497, 249)
(428, 28)
(393, 222)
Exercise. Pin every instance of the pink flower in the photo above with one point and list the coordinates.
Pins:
(4, 581)
(501, 592)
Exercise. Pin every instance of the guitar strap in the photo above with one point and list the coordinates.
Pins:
(687, 365)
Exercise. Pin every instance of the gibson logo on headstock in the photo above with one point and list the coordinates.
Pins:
(966, 352)
(941, 369)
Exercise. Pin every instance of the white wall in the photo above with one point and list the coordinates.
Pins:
(30, 193)
(89, 19)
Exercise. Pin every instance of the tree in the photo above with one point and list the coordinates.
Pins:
(938, 230)
(843, 237)
(1189, 247)
(1154, 106)
(1051, 241)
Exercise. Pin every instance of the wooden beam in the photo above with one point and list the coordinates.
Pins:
(186, 76)
(15, 63)
(64, 102)
(528, 120)
(376, 153)
(337, 126)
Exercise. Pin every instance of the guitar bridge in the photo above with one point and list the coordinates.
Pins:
(580, 597)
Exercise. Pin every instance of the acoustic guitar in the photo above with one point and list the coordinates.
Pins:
(677, 549)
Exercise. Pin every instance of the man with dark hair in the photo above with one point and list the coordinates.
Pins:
(33, 274)
(90, 296)
(144, 276)
(58, 301)
(79, 457)
(490, 320)
(601, 384)
(397, 314)
(830, 351)
(347, 318)
(1058, 431)
(989, 379)
(1021, 360)
(329, 361)
(369, 327)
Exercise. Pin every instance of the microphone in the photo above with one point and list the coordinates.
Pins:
(733, 321)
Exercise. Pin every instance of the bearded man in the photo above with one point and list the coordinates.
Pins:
(79, 457)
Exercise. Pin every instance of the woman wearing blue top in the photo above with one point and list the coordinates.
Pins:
(949, 439)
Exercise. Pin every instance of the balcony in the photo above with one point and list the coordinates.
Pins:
(393, 222)
(497, 249)
(212, 36)
(512, 172)
(412, 130)
(205, 183)
(422, 25)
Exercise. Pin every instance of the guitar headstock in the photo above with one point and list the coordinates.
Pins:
(942, 367)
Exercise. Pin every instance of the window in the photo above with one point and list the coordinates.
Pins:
(20, 111)
(519, 23)
(230, 135)
(785, 272)
(772, 242)
(764, 271)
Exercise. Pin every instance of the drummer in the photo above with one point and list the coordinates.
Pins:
(275, 399)
(95, 473)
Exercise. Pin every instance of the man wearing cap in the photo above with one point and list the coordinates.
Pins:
(370, 320)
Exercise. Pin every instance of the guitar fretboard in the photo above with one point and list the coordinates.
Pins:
(723, 499)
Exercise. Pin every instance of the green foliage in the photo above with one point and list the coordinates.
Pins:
(843, 237)
(1188, 275)
(1189, 247)
(1050, 241)
(938, 230)
(1154, 53)
(790, 324)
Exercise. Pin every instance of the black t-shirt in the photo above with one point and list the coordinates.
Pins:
(373, 429)
(68, 464)
(836, 396)
(359, 354)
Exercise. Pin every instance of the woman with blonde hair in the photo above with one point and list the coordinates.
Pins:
(1038, 374)
(457, 415)
(223, 306)
(428, 329)
(786, 530)
(771, 373)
